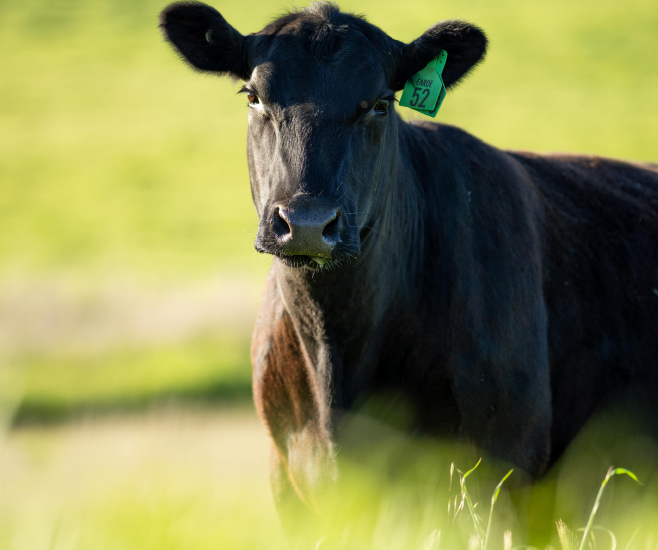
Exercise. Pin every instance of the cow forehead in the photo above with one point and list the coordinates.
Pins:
(330, 65)
(339, 86)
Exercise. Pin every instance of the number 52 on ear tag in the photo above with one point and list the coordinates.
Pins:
(424, 92)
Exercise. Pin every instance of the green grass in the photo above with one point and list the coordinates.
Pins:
(198, 480)
(70, 383)
(188, 480)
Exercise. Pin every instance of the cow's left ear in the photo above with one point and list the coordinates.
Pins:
(465, 44)
(205, 40)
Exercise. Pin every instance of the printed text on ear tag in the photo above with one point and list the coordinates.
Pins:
(424, 92)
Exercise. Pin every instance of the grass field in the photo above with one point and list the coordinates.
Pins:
(159, 481)
(197, 479)
(128, 280)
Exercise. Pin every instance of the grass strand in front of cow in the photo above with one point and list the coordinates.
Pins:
(466, 498)
(588, 528)
(174, 500)
(482, 535)
(568, 540)
(494, 498)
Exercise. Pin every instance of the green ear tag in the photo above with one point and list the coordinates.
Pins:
(425, 91)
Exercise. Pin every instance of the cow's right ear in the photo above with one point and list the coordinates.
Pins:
(205, 40)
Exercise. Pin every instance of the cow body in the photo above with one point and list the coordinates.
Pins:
(529, 299)
(497, 297)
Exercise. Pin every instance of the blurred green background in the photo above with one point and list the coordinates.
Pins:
(128, 280)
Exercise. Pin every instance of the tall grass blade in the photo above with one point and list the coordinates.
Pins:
(466, 497)
(611, 472)
(471, 470)
(494, 498)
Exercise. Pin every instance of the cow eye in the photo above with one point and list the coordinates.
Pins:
(381, 106)
(253, 98)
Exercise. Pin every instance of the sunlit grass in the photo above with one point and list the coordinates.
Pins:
(403, 493)
(69, 383)
(177, 480)
(183, 480)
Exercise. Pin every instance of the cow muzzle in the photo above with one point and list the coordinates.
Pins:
(307, 231)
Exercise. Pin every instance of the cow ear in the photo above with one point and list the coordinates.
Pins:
(465, 44)
(205, 40)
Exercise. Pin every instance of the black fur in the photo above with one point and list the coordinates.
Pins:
(205, 40)
(465, 44)
(499, 297)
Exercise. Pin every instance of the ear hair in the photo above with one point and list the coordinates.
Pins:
(204, 39)
(465, 44)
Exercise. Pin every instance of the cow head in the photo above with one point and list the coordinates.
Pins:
(323, 138)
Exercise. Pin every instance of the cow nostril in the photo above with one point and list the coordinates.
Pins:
(280, 224)
(330, 231)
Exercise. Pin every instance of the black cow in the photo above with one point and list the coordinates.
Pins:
(503, 296)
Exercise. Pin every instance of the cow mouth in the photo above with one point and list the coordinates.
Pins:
(311, 262)
(305, 261)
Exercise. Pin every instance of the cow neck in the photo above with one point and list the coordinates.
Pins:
(338, 314)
